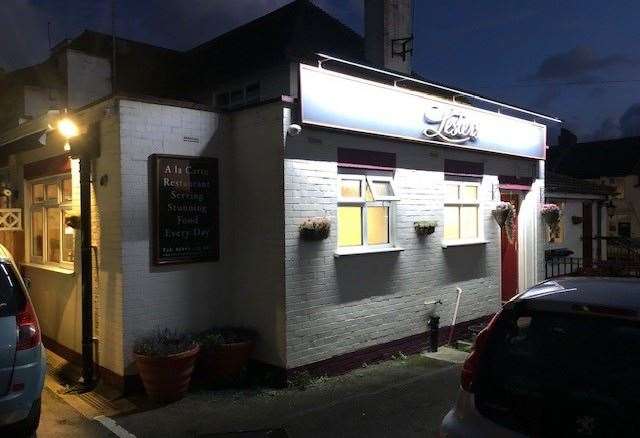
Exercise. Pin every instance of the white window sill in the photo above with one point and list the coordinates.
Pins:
(446, 244)
(361, 250)
(50, 268)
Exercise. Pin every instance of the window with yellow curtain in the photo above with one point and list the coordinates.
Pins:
(462, 221)
(365, 210)
(52, 241)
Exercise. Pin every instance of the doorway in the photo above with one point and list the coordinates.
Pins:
(587, 233)
(509, 252)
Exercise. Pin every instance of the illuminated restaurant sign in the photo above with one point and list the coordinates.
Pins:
(185, 209)
(335, 100)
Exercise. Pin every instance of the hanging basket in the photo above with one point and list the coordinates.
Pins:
(72, 221)
(316, 228)
(424, 228)
(551, 216)
(505, 215)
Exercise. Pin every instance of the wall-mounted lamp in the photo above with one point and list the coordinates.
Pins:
(294, 129)
(68, 129)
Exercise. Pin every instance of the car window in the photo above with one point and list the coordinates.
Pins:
(12, 296)
(538, 363)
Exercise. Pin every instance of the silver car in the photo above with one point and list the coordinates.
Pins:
(22, 356)
(561, 359)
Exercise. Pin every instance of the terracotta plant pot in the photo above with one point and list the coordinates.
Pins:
(224, 363)
(167, 379)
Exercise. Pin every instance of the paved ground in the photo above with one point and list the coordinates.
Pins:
(400, 398)
(405, 397)
(60, 420)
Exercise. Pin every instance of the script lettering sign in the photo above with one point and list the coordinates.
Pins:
(449, 125)
(185, 209)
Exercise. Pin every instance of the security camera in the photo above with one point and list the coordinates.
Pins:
(294, 129)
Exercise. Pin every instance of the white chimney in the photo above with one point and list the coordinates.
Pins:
(388, 33)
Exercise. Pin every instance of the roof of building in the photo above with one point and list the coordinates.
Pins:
(44, 75)
(619, 157)
(558, 183)
(293, 32)
(159, 77)
(140, 68)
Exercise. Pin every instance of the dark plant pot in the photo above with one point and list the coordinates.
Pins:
(224, 363)
(313, 235)
(166, 379)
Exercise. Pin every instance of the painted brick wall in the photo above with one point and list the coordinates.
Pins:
(336, 305)
(187, 297)
(256, 142)
(106, 229)
(88, 78)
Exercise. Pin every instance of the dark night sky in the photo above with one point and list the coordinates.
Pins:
(577, 59)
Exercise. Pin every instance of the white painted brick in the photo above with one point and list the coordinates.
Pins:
(338, 305)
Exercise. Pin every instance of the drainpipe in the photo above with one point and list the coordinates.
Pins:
(87, 271)
(84, 145)
(455, 315)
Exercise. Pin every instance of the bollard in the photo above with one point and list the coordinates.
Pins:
(434, 326)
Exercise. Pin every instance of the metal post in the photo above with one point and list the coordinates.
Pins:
(87, 271)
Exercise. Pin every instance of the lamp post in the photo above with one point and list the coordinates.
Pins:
(70, 132)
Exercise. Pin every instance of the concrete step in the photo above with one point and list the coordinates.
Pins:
(447, 354)
(464, 345)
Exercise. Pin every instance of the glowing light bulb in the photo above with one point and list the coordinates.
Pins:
(68, 128)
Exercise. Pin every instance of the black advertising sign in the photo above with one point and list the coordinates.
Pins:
(185, 209)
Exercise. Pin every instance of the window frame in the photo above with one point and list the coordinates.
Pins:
(379, 201)
(460, 202)
(63, 206)
(385, 179)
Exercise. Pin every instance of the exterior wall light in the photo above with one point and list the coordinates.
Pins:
(68, 129)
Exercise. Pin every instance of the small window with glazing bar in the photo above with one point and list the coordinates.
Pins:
(366, 210)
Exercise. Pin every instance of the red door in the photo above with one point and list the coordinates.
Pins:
(587, 234)
(510, 253)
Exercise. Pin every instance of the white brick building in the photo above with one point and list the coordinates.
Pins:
(323, 305)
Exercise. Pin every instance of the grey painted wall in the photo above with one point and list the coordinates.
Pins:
(336, 305)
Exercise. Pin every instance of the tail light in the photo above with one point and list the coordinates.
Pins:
(28, 328)
(470, 366)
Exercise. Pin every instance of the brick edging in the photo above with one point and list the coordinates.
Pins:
(408, 345)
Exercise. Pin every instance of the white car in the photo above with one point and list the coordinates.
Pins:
(22, 356)
(560, 360)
